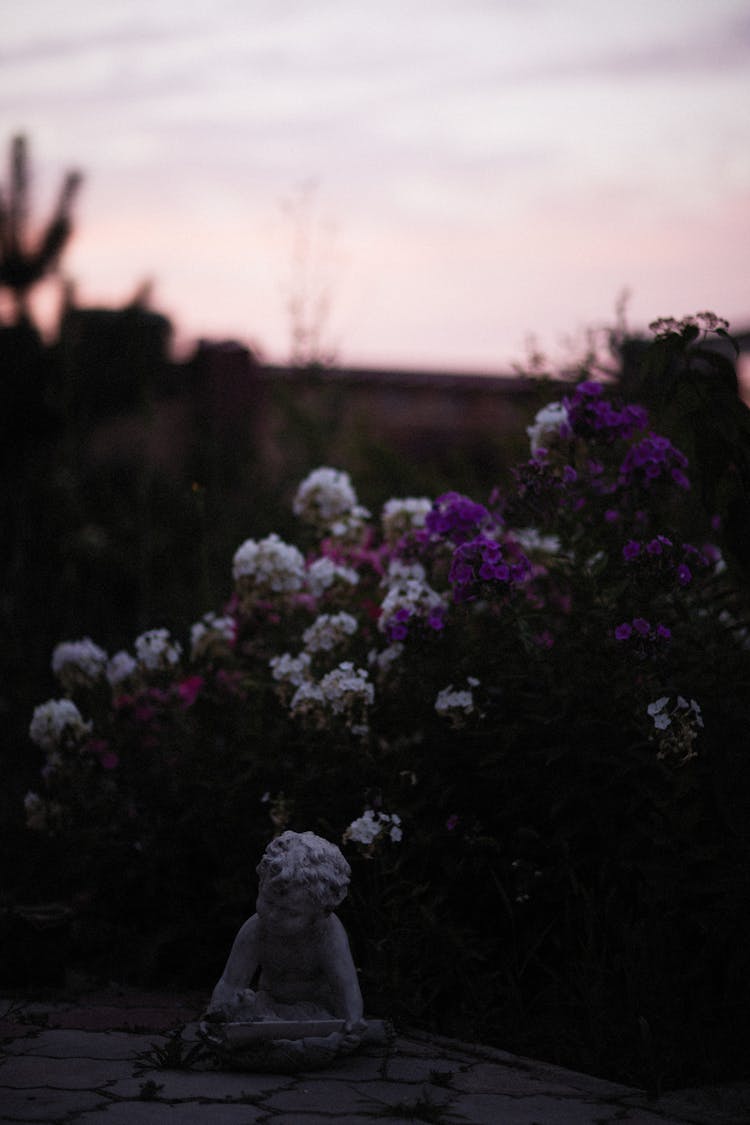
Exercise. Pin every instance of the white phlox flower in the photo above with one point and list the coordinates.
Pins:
(324, 573)
(156, 651)
(692, 708)
(531, 541)
(405, 600)
(372, 827)
(399, 517)
(739, 633)
(56, 724)
(456, 704)
(400, 572)
(658, 713)
(345, 692)
(120, 667)
(291, 670)
(212, 635)
(347, 688)
(78, 663)
(327, 500)
(328, 631)
(547, 425)
(308, 703)
(384, 659)
(270, 566)
(678, 725)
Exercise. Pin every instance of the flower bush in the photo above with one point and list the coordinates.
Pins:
(538, 702)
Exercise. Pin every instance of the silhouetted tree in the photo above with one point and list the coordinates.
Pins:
(23, 263)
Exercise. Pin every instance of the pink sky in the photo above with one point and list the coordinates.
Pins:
(466, 173)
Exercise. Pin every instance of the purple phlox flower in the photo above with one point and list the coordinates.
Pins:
(591, 414)
(639, 627)
(452, 822)
(710, 555)
(436, 618)
(456, 517)
(421, 538)
(544, 639)
(570, 476)
(398, 625)
(611, 515)
(587, 390)
(633, 416)
(663, 558)
(461, 572)
(585, 396)
(656, 546)
(652, 457)
(492, 569)
(483, 560)
(684, 574)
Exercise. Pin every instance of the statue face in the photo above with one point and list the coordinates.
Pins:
(287, 910)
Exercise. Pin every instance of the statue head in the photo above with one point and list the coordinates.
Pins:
(302, 861)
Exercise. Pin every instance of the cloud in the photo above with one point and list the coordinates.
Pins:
(507, 161)
(70, 48)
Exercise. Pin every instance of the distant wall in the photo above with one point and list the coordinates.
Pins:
(222, 401)
(416, 414)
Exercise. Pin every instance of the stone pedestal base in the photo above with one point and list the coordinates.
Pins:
(285, 1046)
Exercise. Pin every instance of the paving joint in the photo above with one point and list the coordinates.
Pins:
(97, 1059)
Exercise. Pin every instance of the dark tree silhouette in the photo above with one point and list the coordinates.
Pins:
(23, 261)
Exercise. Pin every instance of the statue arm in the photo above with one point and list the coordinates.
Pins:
(241, 966)
(342, 974)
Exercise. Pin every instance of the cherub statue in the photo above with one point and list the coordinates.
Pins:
(308, 1006)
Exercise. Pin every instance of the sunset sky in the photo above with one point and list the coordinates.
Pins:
(450, 177)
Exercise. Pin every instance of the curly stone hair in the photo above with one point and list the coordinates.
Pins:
(302, 859)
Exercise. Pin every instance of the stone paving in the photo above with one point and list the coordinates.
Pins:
(113, 1058)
